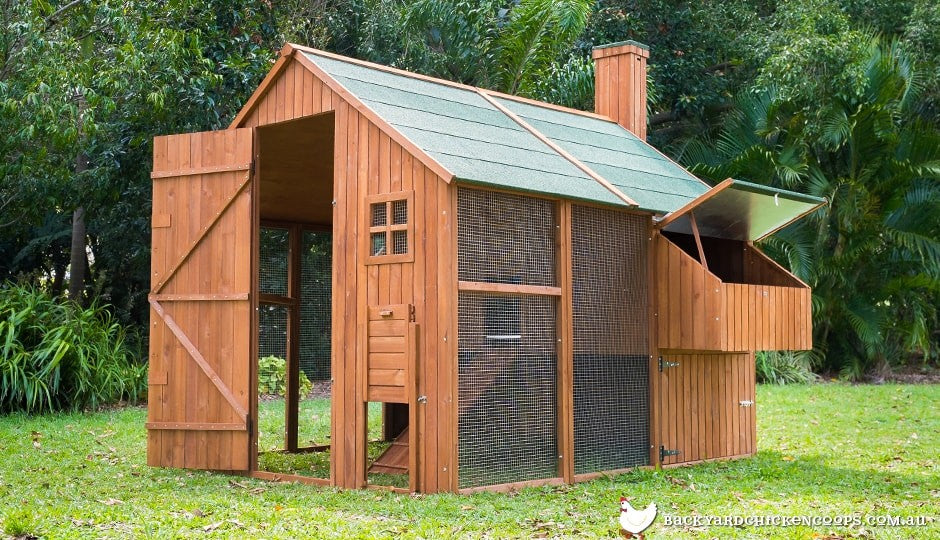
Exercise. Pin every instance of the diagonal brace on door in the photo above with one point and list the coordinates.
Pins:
(200, 361)
(202, 234)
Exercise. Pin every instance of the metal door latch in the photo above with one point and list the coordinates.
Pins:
(663, 364)
(746, 403)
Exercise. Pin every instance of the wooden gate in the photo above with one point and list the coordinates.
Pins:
(704, 407)
(200, 316)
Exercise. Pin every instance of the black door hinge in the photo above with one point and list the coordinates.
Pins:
(663, 364)
(667, 452)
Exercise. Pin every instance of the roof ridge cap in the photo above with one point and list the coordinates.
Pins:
(560, 151)
(445, 82)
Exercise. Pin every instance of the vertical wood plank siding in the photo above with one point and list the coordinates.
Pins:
(701, 400)
(696, 311)
(367, 162)
(199, 341)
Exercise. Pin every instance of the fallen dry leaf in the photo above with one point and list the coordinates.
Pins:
(212, 526)
(112, 501)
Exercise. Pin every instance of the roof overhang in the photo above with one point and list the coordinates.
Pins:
(738, 210)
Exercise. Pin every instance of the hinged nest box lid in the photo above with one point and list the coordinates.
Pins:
(737, 210)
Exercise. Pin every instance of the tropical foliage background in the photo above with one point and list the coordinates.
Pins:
(838, 98)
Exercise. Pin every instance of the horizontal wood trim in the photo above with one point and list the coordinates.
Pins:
(508, 288)
(391, 327)
(404, 195)
(386, 377)
(709, 460)
(276, 299)
(387, 344)
(383, 228)
(397, 360)
(157, 378)
(390, 312)
(512, 486)
(707, 352)
(161, 221)
(587, 477)
(155, 175)
(198, 297)
(197, 426)
(387, 394)
(278, 477)
(392, 259)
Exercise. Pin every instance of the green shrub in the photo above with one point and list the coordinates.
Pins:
(272, 377)
(784, 367)
(57, 355)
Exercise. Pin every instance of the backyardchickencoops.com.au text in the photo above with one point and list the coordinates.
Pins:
(795, 521)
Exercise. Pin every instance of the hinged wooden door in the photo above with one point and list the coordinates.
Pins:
(391, 376)
(200, 306)
(704, 407)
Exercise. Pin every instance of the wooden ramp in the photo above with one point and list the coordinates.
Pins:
(394, 460)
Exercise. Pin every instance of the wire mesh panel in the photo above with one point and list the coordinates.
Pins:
(506, 383)
(507, 346)
(503, 238)
(315, 304)
(273, 260)
(611, 339)
(272, 332)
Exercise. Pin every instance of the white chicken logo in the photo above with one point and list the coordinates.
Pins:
(633, 522)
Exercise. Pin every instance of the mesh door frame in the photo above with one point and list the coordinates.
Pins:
(536, 287)
(292, 302)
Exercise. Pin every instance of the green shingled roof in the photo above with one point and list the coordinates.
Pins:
(481, 145)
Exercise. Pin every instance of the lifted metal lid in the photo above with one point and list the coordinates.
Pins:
(738, 210)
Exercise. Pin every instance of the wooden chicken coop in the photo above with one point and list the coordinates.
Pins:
(483, 291)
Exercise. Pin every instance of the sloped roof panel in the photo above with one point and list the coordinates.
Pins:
(611, 151)
(465, 133)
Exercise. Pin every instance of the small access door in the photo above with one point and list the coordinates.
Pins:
(391, 377)
(706, 407)
(200, 301)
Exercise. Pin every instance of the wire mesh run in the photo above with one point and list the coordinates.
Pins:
(611, 339)
(504, 238)
(316, 304)
(507, 346)
(273, 260)
(506, 383)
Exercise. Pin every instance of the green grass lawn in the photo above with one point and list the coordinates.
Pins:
(824, 450)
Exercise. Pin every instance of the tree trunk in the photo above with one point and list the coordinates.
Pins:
(79, 260)
(58, 280)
